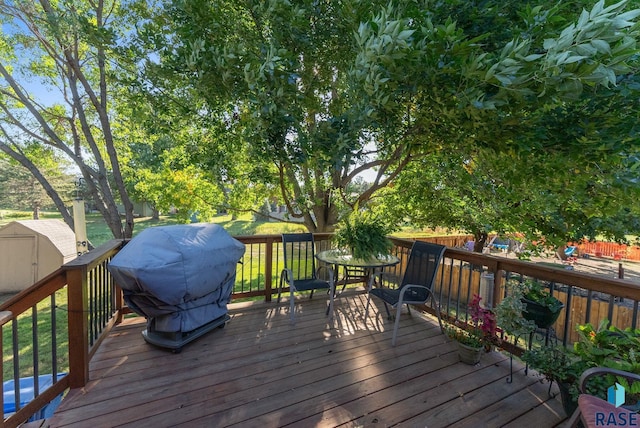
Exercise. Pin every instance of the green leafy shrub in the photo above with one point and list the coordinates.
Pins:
(596, 347)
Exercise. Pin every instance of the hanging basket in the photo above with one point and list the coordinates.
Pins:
(541, 315)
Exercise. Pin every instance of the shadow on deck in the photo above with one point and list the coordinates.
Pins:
(262, 371)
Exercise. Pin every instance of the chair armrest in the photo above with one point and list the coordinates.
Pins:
(410, 286)
(285, 274)
(603, 371)
(415, 286)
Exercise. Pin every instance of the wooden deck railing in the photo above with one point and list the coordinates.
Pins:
(587, 298)
(79, 304)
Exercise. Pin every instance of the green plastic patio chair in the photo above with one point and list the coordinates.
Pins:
(416, 286)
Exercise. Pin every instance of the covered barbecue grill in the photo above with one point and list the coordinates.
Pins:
(180, 278)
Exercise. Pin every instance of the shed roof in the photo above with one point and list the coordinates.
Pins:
(56, 231)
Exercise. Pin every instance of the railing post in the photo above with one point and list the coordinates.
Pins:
(78, 328)
(497, 287)
(268, 269)
(118, 302)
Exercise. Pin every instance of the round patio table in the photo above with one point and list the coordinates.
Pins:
(373, 266)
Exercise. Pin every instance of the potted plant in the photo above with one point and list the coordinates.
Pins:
(509, 313)
(596, 347)
(470, 345)
(561, 365)
(479, 336)
(539, 306)
(613, 348)
(364, 235)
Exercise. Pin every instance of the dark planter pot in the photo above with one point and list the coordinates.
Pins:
(568, 403)
(541, 315)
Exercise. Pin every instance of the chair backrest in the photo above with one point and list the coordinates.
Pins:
(299, 255)
(423, 264)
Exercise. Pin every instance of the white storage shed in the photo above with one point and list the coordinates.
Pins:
(32, 249)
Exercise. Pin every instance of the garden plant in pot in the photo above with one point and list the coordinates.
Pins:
(611, 347)
(364, 235)
(561, 365)
(478, 337)
(596, 347)
(539, 306)
(510, 310)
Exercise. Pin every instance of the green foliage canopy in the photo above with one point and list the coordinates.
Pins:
(463, 98)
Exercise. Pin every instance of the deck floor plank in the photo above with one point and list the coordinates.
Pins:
(261, 370)
(509, 408)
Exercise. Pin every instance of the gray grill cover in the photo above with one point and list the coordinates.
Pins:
(182, 276)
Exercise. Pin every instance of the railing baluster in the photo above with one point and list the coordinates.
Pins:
(610, 309)
(90, 309)
(567, 315)
(54, 338)
(449, 291)
(16, 363)
(268, 265)
(35, 347)
(5, 316)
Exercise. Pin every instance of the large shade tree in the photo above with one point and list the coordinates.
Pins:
(275, 78)
(319, 91)
(56, 88)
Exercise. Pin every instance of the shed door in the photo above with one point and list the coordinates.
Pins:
(17, 262)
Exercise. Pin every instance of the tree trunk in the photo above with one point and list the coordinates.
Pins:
(560, 253)
(480, 238)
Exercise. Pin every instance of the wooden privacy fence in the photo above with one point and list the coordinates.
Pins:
(453, 241)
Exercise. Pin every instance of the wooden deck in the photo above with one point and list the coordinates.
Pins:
(261, 371)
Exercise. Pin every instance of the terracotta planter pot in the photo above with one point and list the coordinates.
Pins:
(469, 354)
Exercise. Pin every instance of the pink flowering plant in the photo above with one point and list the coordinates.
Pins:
(483, 331)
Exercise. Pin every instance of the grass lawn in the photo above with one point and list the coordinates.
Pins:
(98, 232)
